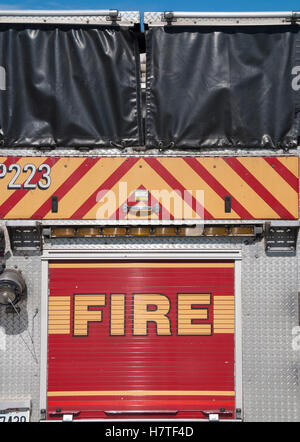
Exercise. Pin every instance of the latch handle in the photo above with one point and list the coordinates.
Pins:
(126, 208)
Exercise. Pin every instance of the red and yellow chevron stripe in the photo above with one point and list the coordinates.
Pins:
(105, 188)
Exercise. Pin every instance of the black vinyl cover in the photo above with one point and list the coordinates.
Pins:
(221, 87)
(69, 86)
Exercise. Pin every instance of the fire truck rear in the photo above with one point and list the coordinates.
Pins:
(149, 205)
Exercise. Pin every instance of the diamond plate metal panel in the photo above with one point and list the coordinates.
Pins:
(125, 18)
(269, 314)
(157, 19)
(270, 366)
(19, 371)
(137, 152)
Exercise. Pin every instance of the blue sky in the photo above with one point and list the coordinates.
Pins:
(157, 5)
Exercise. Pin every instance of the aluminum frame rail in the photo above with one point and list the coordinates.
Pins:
(177, 18)
(72, 17)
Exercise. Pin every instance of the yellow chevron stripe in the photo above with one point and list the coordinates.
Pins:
(237, 187)
(60, 172)
(192, 181)
(89, 183)
(106, 207)
(291, 163)
(273, 182)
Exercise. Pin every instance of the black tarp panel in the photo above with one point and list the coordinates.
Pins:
(221, 87)
(69, 86)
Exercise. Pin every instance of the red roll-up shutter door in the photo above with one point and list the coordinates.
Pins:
(141, 339)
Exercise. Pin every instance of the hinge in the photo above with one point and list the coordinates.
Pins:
(168, 16)
(295, 17)
(113, 15)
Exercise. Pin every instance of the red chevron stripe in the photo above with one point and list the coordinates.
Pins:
(177, 187)
(11, 160)
(217, 187)
(105, 187)
(17, 195)
(284, 172)
(258, 187)
(66, 186)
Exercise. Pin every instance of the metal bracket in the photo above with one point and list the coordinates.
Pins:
(295, 17)
(113, 15)
(54, 204)
(135, 209)
(238, 413)
(213, 417)
(168, 16)
(25, 240)
(227, 201)
(67, 416)
(281, 239)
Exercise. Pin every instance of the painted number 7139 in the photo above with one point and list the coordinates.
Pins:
(16, 170)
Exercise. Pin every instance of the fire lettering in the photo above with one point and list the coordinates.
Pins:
(189, 311)
(83, 315)
(147, 308)
(151, 308)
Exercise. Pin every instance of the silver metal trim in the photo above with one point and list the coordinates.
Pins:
(58, 13)
(79, 254)
(143, 222)
(264, 14)
(91, 17)
(31, 152)
(44, 335)
(180, 18)
(111, 421)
